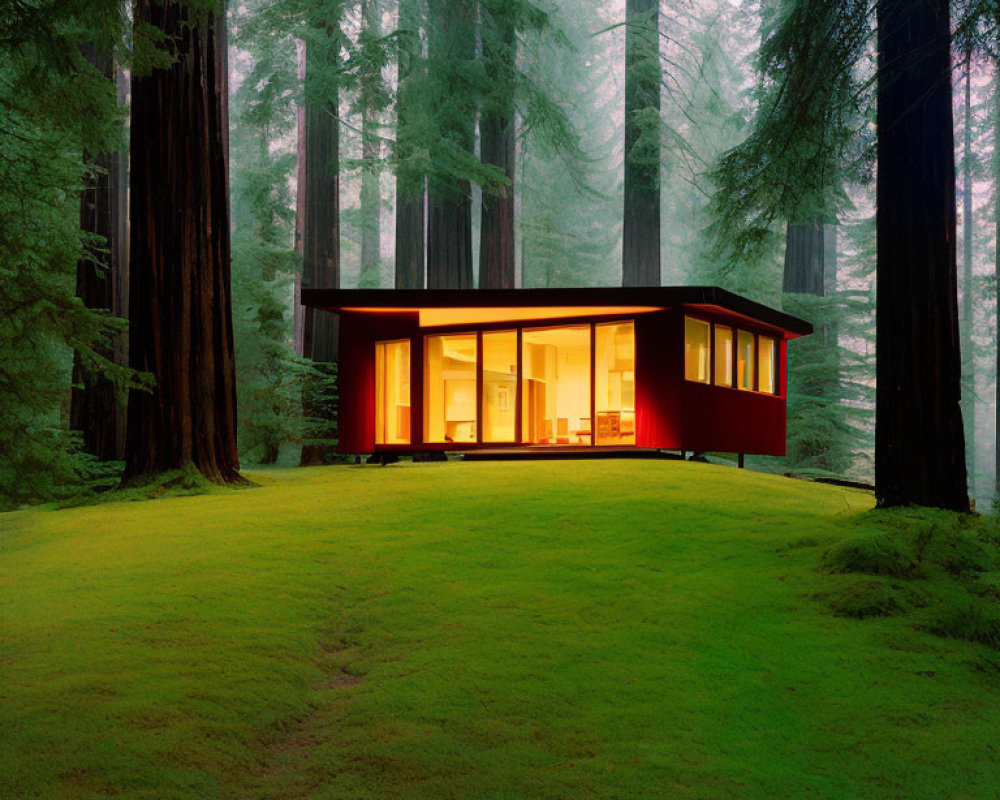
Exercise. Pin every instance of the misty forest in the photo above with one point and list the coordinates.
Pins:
(207, 591)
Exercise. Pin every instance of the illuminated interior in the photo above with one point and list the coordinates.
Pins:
(614, 382)
(555, 386)
(766, 356)
(450, 388)
(756, 357)
(392, 392)
(499, 386)
(744, 361)
(697, 350)
(723, 356)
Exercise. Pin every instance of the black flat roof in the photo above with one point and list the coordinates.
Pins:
(660, 296)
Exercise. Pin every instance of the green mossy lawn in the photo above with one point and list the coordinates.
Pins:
(603, 629)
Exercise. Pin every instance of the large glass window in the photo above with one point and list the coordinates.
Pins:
(766, 362)
(723, 356)
(614, 382)
(499, 386)
(555, 387)
(744, 361)
(392, 392)
(697, 344)
(450, 388)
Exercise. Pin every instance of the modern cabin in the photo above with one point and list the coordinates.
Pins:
(673, 368)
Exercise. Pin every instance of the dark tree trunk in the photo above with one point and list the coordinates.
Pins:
(641, 220)
(452, 43)
(321, 219)
(497, 147)
(409, 180)
(996, 278)
(181, 319)
(371, 152)
(919, 442)
(968, 356)
(805, 254)
(298, 313)
(94, 407)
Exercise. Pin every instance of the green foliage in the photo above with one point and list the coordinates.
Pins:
(863, 597)
(54, 106)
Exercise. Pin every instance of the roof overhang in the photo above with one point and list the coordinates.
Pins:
(471, 306)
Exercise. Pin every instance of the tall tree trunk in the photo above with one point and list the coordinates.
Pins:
(409, 179)
(298, 312)
(181, 319)
(94, 407)
(641, 218)
(804, 259)
(968, 289)
(321, 219)
(371, 152)
(452, 43)
(996, 277)
(497, 147)
(919, 441)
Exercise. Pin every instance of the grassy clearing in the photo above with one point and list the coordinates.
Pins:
(499, 630)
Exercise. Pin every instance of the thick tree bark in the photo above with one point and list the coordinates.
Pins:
(919, 441)
(641, 219)
(452, 44)
(94, 407)
(968, 357)
(181, 319)
(321, 217)
(371, 152)
(298, 312)
(409, 180)
(804, 259)
(497, 147)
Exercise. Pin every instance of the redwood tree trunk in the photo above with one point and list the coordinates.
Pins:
(804, 259)
(919, 441)
(641, 218)
(409, 179)
(181, 320)
(371, 152)
(321, 219)
(452, 45)
(968, 355)
(497, 147)
(94, 407)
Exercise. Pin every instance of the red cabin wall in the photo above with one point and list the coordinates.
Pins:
(356, 375)
(659, 370)
(722, 419)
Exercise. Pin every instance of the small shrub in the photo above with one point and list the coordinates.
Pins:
(973, 621)
(873, 554)
(865, 598)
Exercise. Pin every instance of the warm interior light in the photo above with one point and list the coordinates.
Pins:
(432, 317)
(392, 392)
(697, 338)
(555, 386)
(744, 361)
(499, 385)
(766, 357)
(450, 388)
(723, 356)
(614, 382)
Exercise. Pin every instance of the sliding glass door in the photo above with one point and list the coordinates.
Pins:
(555, 386)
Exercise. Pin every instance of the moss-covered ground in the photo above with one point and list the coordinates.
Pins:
(605, 629)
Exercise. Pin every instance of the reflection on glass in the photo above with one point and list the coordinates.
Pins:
(723, 356)
(767, 358)
(614, 382)
(450, 388)
(555, 386)
(744, 361)
(499, 385)
(392, 392)
(697, 336)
